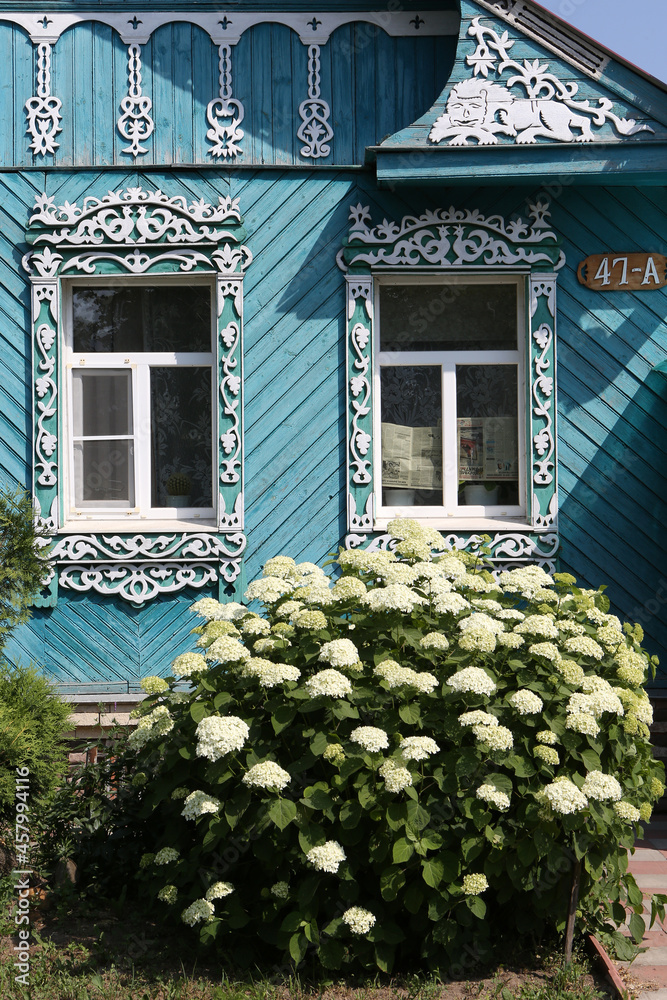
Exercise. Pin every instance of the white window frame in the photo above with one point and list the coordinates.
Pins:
(450, 515)
(139, 363)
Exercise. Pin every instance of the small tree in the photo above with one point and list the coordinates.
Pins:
(22, 559)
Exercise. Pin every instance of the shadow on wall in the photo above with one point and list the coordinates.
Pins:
(613, 506)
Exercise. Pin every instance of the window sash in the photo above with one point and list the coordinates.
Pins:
(140, 365)
(448, 361)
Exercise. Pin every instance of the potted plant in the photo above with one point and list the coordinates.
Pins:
(179, 488)
(481, 494)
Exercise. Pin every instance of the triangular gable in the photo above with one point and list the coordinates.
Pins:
(531, 109)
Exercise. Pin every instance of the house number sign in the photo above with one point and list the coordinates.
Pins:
(623, 272)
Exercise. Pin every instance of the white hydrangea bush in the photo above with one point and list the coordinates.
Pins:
(380, 767)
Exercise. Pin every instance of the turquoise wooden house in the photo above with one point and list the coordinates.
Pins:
(272, 273)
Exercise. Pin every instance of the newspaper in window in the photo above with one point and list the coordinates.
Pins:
(488, 448)
(411, 457)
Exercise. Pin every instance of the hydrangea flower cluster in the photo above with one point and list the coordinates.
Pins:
(157, 723)
(226, 649)
(339, 653)
(154, 685)
(270, 674)
(602, 787)
(219, 890)
(168, 894)
(526, 703)
(475, 884)
(327, 857)
(489, 793)
(472, 679)
(370, 738)
(187, 664)
(166, 856)
(435, 640)
(418, 747)
(358, 920)
(330, 683)
(198, 803)
(309, 618)
(564, 797)
(396, 778)
(201, 911)
(267, 774)
(397, 676)
(218, 736)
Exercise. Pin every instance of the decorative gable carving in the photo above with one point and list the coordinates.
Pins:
(520, 101)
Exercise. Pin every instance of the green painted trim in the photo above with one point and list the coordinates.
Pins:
(624, 165)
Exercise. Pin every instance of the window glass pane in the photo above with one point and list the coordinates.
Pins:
(448, 317)
(103, 473)
(181, 437)
(488, 438)
(101, 403)
(139, 318)
(411, 412)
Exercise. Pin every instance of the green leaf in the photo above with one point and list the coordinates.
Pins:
(198, 711)
(432, 872)
(477, 906)
(637, 928)
(186, 753)
(223, 698)
(319, 799)
(282, 812)
(413, 899)
(343, 710)
(331, 953)
(418, 817)
(635, 895)
(291, 922)
(318, 744)
(410, 714)
(307, 889)
(396, 815)
(625, 950)
(350, 814)
(384, 956)
(282, 717)
(209, 931)
(367, 797)
(236, 805)
(298, 946)
(591, 760)
(402, 851)
(391, 881)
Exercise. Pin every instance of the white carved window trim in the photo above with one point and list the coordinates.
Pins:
(145, 234)
(139, 364)
(439, 517)
(441, 242)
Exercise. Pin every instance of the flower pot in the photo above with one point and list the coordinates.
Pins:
(178, 501)
(477, 495)
(399, 498)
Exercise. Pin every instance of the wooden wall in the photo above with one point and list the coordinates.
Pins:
(612, 409)
(368, 79)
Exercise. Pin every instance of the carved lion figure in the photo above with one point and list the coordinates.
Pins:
(477, 109)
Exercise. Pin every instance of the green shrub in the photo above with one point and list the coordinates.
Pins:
(22, 559)
(388, 770)
(33, 721)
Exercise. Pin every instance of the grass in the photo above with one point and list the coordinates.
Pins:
(82, 951)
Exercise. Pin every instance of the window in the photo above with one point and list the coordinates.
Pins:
(451, 391)
(139, 359)
(137, 331)
(449, 397)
